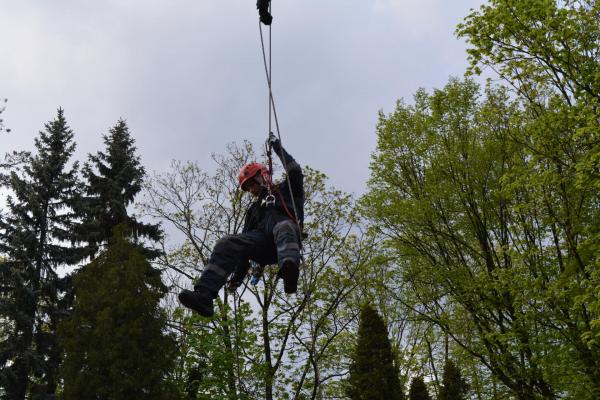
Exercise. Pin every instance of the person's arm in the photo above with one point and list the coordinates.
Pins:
(292, 168)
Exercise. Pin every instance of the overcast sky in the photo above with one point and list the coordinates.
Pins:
(187, 75)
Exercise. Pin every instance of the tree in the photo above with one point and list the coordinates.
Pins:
(302, 342)
(114, 178)
(469, 213)
(204, 208)
(36, 238)
(12, 162)
(115, 341)
(418, 390)
(454, 387)
(209, 352)
(373, 373)
(548, 52)
(538, 46)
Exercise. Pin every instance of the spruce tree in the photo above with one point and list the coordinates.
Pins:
(373, 374)
(454, 386)
(36, 238)
(114, 178)
(115, 343)
(418, 390)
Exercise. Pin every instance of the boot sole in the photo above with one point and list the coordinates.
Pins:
(290, 273)
(188, 299)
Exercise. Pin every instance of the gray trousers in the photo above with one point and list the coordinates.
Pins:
(269, 245)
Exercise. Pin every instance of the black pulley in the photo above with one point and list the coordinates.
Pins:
(263, 11)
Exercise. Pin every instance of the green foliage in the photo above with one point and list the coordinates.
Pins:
(418, 390)
(483, 230)
(115, 343)
(208, 356)
(538, 45)
(335, 254)
(454, 386)
(548, 51)
(36, 238)
(373, 374)
(114, 178)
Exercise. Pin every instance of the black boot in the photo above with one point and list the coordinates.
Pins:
(290, 272)
(199, 300)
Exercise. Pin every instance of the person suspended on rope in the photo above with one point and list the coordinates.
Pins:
(263, 11)
(271, 234)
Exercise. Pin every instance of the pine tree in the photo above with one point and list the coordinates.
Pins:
(373, 375)
(418, 390)
(114, 340)
(36, 239)
(114, 178)
(454, 386)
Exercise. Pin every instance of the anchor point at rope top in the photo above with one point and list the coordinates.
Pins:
(263, 11)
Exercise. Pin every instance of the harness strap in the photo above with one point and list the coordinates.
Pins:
(286, 209)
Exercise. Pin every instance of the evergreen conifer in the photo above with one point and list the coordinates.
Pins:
(418, 390)
(36, 239)
(454, 386)
(115, 344)
(114, 177)
(373, 373)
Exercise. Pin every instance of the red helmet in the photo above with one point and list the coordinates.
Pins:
(252, 169)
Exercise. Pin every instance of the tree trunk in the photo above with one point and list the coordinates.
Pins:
(231, 376)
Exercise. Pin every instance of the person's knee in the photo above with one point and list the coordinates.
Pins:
(224, 244)
(287, 228)
(287, 241)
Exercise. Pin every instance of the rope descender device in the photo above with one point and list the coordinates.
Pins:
(270, 199)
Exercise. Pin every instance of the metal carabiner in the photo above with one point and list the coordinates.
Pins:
(269, 200)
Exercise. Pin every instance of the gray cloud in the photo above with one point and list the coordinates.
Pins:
(188, 75)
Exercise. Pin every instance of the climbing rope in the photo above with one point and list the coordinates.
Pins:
(273, 113)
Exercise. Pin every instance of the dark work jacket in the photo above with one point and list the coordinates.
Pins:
(261, 216)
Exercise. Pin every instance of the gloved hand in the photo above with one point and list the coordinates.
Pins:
(237, 278)
(232, 285)
(273, 141)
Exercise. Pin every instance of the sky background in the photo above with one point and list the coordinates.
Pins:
(187, 75)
